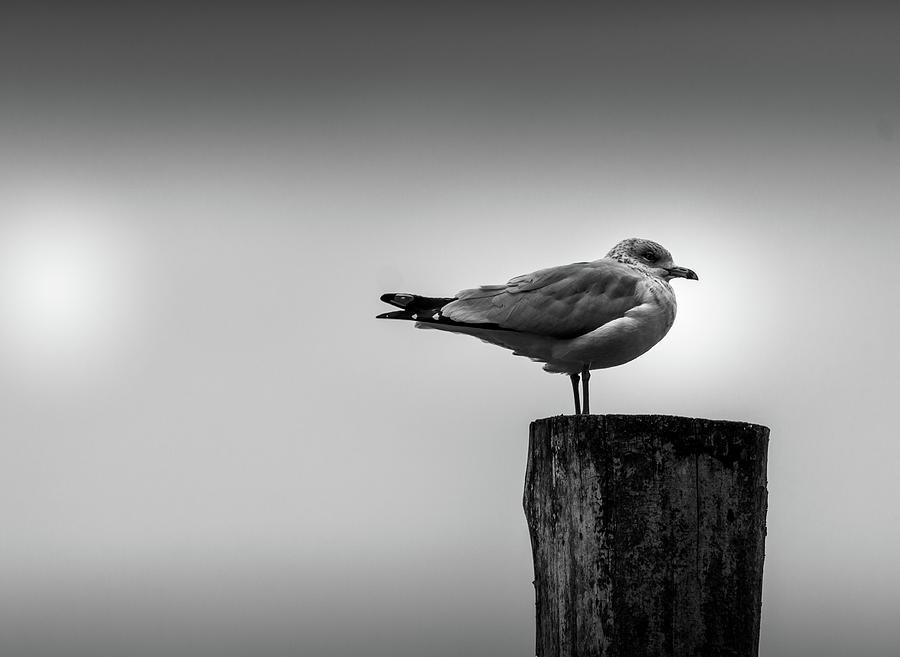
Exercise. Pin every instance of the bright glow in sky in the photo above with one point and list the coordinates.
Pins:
(68, 282)
(200, 208)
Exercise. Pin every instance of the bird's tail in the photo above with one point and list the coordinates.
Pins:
(413, 306)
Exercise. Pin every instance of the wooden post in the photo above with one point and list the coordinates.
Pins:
(648, 535)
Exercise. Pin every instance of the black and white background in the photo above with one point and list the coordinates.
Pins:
(208, 445)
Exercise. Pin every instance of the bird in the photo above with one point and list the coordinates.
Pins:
(573, 318)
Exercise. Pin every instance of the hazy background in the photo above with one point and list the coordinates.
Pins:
(210, 447)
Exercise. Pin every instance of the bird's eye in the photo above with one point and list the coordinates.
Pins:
(650, 256)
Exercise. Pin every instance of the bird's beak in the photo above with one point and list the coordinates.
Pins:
(682, 272)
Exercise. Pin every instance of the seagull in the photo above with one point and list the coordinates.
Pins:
(574, 318)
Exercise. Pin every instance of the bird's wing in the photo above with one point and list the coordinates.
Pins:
(559, 302)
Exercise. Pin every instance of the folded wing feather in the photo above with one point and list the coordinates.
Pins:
(560, 302)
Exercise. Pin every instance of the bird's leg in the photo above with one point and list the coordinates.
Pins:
(574, 378)
(585, 377)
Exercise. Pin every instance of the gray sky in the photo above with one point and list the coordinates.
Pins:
(209, 443)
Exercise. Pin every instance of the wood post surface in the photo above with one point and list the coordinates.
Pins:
(648, 535)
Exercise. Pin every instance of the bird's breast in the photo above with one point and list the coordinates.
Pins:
(662, 300)
(627, 337)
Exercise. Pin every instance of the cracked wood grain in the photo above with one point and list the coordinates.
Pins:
(648, 535)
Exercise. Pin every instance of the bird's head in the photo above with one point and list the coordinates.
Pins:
(649, 256)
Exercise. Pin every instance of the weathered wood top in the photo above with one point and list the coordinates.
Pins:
(648, 535)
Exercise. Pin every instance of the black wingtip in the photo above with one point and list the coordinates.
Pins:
(416, 303)
(400, 299)
(396, 314)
